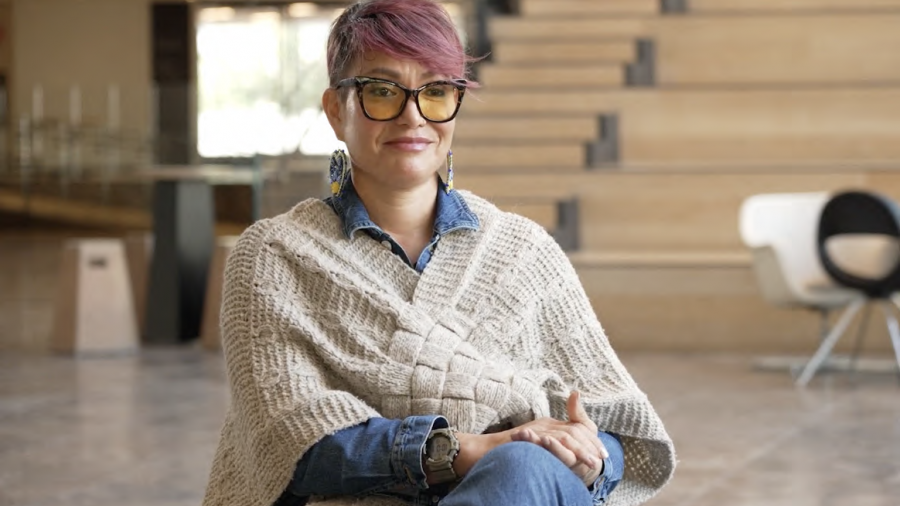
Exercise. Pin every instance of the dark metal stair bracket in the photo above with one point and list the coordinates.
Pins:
(642, 73)
(604, 151)
(568, 225)
(673, 6)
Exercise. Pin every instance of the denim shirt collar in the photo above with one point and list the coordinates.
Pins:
(452, 211)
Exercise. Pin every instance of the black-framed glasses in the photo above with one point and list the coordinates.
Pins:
(383, 100)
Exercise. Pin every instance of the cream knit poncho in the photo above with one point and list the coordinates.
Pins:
(321, 333)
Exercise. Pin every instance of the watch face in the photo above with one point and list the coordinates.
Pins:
(438, 446)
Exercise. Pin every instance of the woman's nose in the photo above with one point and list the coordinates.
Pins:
(411, 115)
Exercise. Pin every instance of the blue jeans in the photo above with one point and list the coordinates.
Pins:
(524, 474)
(383, 457)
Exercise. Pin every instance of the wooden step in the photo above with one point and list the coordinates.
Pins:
(700, 305)
(555, 29)
(757, 126)
(701, 6)
(555, 53)
(595, 7)
(550, 77)
(522, 128)
(811, 49)
(544, 213)
(664, 212)
(488, 156)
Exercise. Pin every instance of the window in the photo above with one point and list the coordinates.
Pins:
(261, 74)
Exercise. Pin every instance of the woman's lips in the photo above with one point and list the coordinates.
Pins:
(410, 144)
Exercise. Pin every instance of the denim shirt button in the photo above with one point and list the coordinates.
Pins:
(386, 244)
(435, 499)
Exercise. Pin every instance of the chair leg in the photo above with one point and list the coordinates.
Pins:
(860, 337)
(828, 343)
(893, 329)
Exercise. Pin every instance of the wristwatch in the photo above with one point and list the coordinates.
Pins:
(441, 449)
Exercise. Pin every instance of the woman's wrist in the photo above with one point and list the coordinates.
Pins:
(472, 447)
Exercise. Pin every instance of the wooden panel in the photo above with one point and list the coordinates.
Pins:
(533, 29)
(622, 51)
(544, 214)
(722, 125)
(494, 156)
(762, 125)
(788, 5)
(210, 335)
(75, 212)
(527, 128)
(551, 77)
(586, 102)
(139, 251)
(682, 212)
(595, 7)
(813, 49)
(700, 322)
(659, 213)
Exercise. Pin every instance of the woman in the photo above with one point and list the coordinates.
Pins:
(404, 343)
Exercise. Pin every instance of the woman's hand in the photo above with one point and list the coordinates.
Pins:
(575, 442)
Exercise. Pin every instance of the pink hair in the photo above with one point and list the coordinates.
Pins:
(417, 30)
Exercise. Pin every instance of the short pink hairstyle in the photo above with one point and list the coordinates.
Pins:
(416, 30)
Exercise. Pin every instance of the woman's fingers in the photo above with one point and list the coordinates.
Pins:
(578, 436)
(576, 412)
(590, 438)
(559, 450)
(582, 454)
(579, 416)
(528, 436)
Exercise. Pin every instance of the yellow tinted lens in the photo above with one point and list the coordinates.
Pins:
(438, 101)
(382, 101)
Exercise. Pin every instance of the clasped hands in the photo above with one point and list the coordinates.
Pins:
(575, 442)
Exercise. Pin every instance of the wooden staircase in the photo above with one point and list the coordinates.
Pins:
(659, 124)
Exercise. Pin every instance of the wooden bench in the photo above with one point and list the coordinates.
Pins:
(778, 49)
(723, 125)
(533, 29)
(750, 6)
(555, 53)
(589, 7)
(526, 128)
(552, 76)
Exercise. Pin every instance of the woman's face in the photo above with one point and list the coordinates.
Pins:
(401, 153)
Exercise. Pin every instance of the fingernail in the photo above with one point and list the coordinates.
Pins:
(605, 454)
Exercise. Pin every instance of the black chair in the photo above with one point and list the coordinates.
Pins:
(859, 246)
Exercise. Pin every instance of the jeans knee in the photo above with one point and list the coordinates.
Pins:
(526, 474)
(528, 459)
(518, 453)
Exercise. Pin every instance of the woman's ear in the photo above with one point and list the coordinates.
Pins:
(334, 110)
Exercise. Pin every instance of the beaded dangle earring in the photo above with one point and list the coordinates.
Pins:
(337, 173)
(449, 171)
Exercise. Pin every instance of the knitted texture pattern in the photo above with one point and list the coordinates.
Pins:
(321, 333)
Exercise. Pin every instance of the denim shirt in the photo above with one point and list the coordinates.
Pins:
(384, 456)
(451, 214)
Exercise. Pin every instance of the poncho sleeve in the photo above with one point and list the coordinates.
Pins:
(577, 349)
(281, 403)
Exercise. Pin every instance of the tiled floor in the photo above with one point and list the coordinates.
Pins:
(141, 431)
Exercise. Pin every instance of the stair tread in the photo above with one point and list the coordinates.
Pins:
(674, 258)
